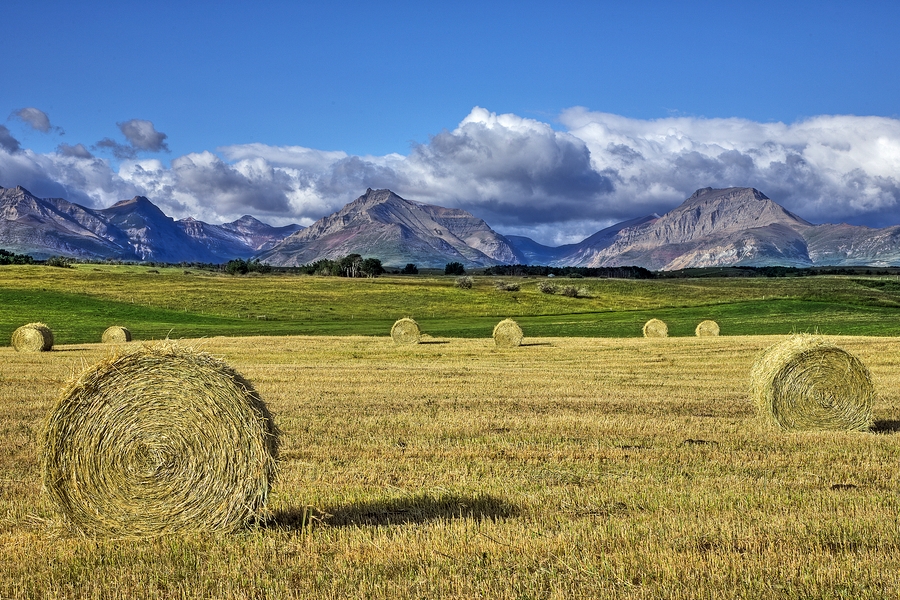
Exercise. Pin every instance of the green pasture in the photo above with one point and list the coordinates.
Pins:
(79, 303)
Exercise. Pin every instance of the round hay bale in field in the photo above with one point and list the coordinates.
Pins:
(806, 382)
(707, 328)
(116, 335)
(406, 331)
(33, 337)
(508, 334)
(157, 440)
(654, 328)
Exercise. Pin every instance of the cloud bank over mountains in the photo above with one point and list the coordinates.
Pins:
(556, 183)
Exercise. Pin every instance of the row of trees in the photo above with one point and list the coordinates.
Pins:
(11, 258)
(352, 265)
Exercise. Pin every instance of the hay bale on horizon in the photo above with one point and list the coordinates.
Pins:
(707, 328)
(158, 440)
(406, 331)
(507, 334)
(654, 328)
(32, 337)
(116, 335)
(808, 383)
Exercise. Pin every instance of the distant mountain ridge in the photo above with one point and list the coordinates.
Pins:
(397, 231)
(731, 226)
(130, 230)
(714, 227)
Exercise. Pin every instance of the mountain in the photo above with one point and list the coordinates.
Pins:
(714, 227)
(851, 245)
(723, 227)
(381, 224)
(130, 230)
(239, 239)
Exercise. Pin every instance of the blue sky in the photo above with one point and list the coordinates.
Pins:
(545, 119)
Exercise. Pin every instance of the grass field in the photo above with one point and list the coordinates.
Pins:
(78, 304)
(565, 468)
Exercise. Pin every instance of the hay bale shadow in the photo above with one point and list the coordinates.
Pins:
(420, 508)
(536, 344)
(886, 426)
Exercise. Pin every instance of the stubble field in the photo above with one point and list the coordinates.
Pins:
(565, 468)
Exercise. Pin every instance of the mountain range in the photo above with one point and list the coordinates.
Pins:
(130, 230)
(714, 227)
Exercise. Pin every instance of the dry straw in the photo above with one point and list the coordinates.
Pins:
(707, 329)
(157, 440)
(406, 331)
(116, 335)
(507, 334)
(806, 382)
(33, 337)
(656, 329)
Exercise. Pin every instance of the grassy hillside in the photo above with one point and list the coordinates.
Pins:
(80, 303)
(570, 468)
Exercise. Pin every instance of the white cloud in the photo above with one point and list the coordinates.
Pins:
(521, 175)
(825, 168)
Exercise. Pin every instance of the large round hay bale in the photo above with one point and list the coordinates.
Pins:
(654, 328)
(508, 334)
(707, 328)
(33, 337)
(406, 331)
(806, 382)
(116, 335)
(157, 440)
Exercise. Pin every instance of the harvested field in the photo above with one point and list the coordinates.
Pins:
(573, 467)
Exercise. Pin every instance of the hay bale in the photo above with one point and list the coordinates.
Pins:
(116, 335)
(157, 440)
(806, 382)
(707, 329)
(33, 337)
(654, 328)
(406, 331)
(508, 334)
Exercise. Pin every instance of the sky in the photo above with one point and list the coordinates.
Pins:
(546, 119)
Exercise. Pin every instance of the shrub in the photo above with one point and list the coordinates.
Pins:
(507, 287)
(464, 283)
(547, 287)
(569, 290)
(59, 261)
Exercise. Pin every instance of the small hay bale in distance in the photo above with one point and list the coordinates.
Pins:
(654, 328)
(158, 440)
(508, 334)
(809, 383)
(32, 337)
(707, 328)
(116, 335)
(406, 331)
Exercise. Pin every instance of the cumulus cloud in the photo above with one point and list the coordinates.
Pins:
(827, 168)
(76, 151)
(35, 118)
(521, 175)
(7, 141)
(141, 136)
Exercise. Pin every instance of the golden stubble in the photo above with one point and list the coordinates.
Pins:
(453, 468)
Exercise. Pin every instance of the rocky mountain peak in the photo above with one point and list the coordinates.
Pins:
(739, 194)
